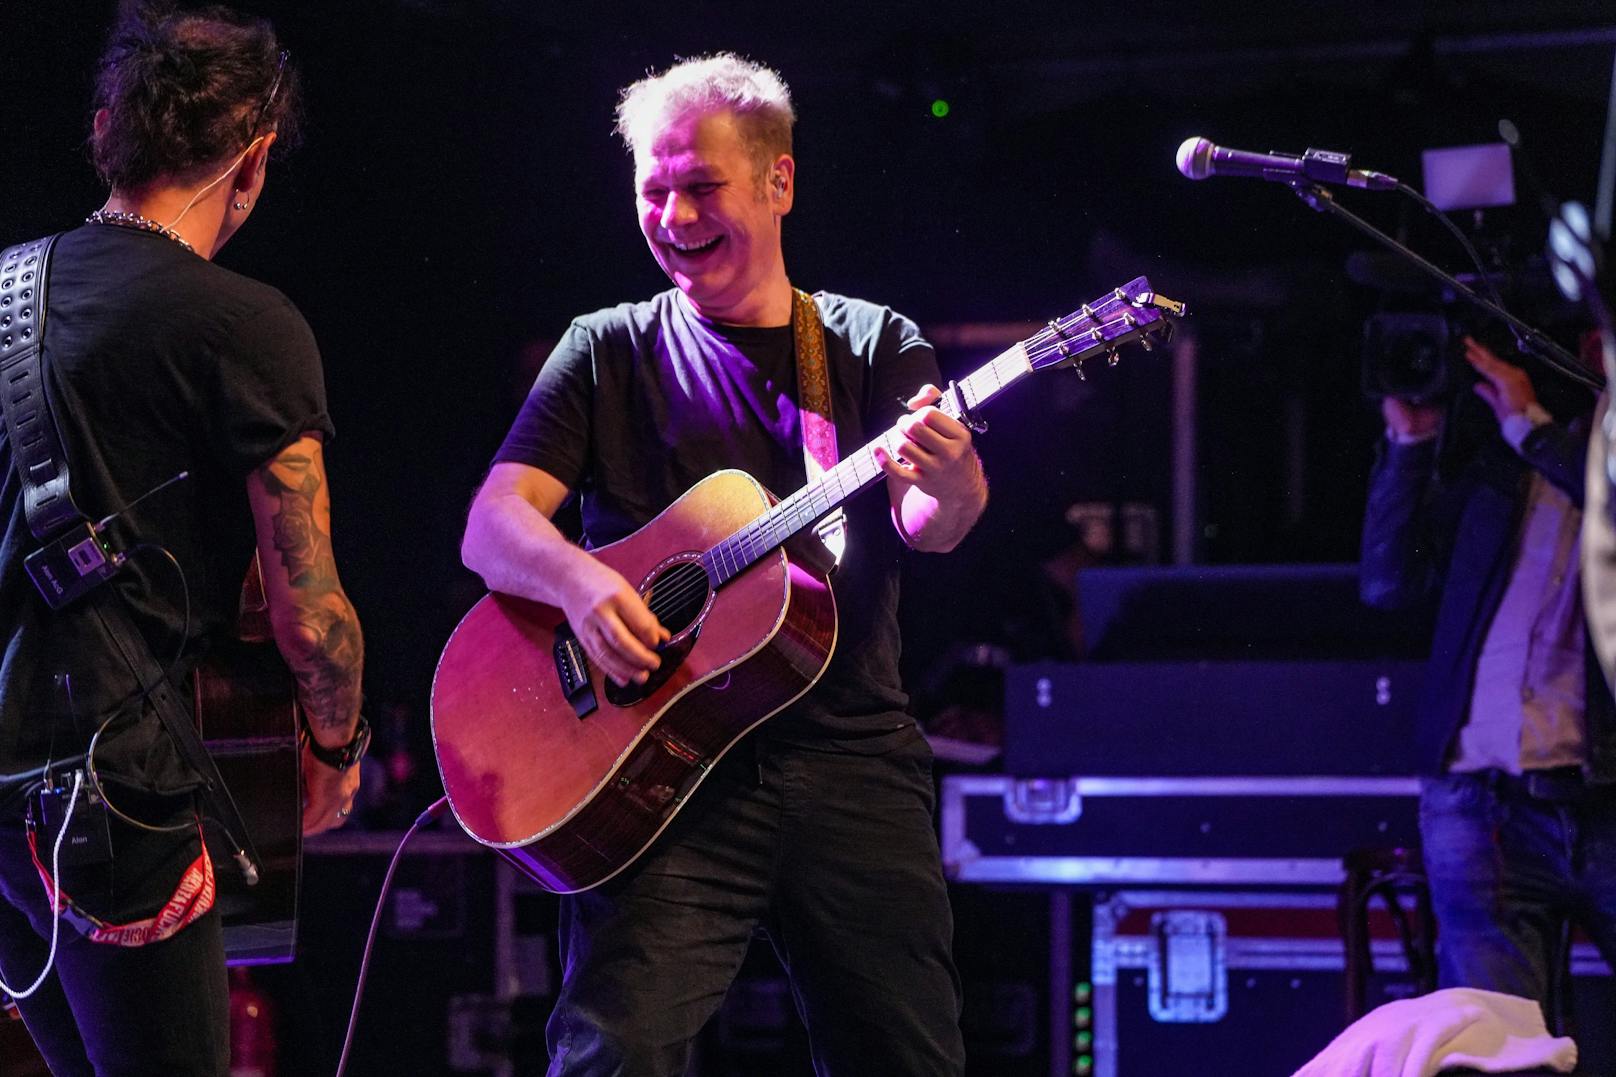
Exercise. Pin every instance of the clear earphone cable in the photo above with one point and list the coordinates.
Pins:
(222, 176)
(53, 887)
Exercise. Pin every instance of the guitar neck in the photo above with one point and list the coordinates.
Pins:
(856, 471)
(1132, 312)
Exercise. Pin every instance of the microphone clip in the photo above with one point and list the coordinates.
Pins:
(1329, 166)
(1325, 166)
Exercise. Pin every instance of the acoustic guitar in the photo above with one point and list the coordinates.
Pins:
(572, 776)
(245, 702)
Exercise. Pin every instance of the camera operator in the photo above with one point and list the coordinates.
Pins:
(1516, 733)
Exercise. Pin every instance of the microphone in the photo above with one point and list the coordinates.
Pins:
(1199, 158)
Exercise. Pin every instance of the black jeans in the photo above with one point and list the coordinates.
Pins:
(834, 855)
(116, 1011)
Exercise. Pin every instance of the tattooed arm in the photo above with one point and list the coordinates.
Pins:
(315, 625)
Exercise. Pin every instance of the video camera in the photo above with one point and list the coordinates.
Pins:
(1416, 352)
(1413, 356)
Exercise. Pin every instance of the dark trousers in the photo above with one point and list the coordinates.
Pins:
(116, 1011)
(833, 854)
(1510, 861)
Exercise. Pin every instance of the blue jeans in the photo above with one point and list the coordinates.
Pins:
(834, 855)
(1510, 861)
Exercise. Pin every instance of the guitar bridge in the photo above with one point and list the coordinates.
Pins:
(572, 670)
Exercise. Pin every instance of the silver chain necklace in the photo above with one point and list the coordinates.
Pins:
(134, 220)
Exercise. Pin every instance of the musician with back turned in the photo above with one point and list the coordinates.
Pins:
(818, 826)
(155, 362)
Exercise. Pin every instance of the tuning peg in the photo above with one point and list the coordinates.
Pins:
(1078, 366)
(1146, 343)
(1111, 357)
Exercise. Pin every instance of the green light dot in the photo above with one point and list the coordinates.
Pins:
(1085, 1040)
(1082, 992)
(1082, 1016)
(939, 108)
(1083, 1066)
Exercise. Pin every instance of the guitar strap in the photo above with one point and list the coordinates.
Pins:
(41, 465)
(813, 408)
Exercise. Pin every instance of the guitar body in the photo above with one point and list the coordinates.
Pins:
(245, 701)
(572, 800)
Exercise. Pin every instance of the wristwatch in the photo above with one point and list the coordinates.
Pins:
(337, 758)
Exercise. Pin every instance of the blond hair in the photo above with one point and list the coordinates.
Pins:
(755, 94)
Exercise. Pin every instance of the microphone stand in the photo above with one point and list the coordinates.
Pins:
(1531, 340)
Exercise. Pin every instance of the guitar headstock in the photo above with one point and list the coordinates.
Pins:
(1133, 312)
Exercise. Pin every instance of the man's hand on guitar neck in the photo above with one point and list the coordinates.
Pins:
(934, 480)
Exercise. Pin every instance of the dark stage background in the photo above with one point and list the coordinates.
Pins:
(460, 197)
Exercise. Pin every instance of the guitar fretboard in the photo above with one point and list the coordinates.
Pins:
(735, 554)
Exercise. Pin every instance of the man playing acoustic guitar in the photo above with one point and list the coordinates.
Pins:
(818, 826)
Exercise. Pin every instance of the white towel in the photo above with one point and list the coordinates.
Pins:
(1457, 1026)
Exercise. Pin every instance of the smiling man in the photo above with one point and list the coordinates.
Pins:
(818, 826)
(711, 200)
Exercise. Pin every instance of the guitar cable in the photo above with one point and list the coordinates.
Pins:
(185, 630)
(433, 811)
(200, 817)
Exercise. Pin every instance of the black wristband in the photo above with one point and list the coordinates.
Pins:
(337, 758)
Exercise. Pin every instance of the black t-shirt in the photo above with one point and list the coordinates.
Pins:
(156, 361)
(641, 401)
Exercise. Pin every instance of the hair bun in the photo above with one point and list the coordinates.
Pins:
(181, 89)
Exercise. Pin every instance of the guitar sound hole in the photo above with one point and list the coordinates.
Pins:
(678, 595)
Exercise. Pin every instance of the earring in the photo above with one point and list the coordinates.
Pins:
(239, 205)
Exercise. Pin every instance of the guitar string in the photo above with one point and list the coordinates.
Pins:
(735, 554)
(812, 502)
(806, 504)
(1033, 345)
(742, 549)
(1039, 347)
